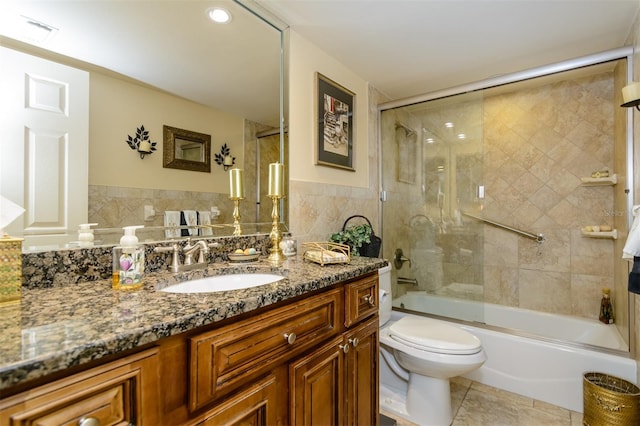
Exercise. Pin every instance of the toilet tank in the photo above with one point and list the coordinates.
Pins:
(384, 298)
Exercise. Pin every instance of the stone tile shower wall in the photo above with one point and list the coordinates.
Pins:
(528, 148)
(538, 143)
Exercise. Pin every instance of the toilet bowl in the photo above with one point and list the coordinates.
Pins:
(418, 357)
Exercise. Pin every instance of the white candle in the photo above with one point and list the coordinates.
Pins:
(144, 146)
(228, 160)
(236, 183)
(276, 180)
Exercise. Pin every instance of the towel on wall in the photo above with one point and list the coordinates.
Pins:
(204, 218)
(631, 250)
(634, 276)
(172, 223)
(632, 246)
(191, 221)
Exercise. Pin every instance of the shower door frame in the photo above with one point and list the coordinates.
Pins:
(571, 64)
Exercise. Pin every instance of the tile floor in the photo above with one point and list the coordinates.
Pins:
(475, 404)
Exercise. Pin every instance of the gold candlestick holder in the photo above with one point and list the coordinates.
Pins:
(237, 229)
(275, 257)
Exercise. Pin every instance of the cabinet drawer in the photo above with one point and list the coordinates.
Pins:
(255, 405)
(222, 360)
(361, 299)
(113, 394)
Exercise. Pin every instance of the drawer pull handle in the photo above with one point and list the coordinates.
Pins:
(88, 421)
(290, 338)
(345, 348)
(354, 342)
(370, 300)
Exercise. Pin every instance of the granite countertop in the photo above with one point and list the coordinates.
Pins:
(52, 329)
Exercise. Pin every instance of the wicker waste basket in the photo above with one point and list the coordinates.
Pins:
(610, 401)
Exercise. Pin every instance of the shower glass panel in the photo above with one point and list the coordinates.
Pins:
(436, 175)
(471, 179)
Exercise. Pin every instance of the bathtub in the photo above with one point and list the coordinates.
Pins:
(564, 328)
(543, 369)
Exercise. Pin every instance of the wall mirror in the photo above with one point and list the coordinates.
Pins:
(236, 68)
(186, 150)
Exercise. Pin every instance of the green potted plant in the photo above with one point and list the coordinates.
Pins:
(354, 236)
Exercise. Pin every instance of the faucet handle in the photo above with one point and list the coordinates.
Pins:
(175, 260)
(400, 258)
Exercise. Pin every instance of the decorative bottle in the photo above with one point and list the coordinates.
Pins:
(128, 261)
(606, 308)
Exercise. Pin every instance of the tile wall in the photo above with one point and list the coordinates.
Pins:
(535, 146)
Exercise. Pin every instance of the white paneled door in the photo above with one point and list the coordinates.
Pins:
(44, 131)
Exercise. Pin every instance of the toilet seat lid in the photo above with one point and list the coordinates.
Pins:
(434, 336)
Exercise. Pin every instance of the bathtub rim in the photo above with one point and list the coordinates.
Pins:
(520, 333)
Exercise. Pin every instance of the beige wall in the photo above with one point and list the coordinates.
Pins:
(118, 108)
(322, 198)
(305, 60)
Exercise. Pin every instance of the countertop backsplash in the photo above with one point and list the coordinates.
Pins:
(58, 268)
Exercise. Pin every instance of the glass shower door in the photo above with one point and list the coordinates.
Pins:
(432, 175)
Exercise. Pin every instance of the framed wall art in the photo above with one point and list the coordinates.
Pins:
(335, 115)
(186, 150)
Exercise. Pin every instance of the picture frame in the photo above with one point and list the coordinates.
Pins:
(334, 109)
(186, 150)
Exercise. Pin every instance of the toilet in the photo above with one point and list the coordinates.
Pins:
(418, 356)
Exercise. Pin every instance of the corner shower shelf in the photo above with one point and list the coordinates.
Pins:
(608, 234)
(609, 180)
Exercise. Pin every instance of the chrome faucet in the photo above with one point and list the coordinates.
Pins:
(190, 249)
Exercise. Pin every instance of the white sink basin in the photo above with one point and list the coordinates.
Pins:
(223, 283)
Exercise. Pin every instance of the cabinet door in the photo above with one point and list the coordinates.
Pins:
(224, 359)
(361, 299)
(362, 374)
(254, 406)
(316, 387)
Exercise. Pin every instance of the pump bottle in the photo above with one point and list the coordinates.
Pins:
(128, 261)
(85, 234)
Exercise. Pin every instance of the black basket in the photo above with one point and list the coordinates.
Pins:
(371, 249)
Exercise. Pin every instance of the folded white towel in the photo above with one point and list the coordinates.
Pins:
(632, 246)
(204, 218)
(191, 218)
(326, 256)
(172, 220)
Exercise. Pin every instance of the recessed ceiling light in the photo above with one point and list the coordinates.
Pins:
(219, 15)
(448, 124)
(462, 136)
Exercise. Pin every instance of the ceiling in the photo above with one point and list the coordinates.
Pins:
(168, 44)
(403, 48)
(407, 48)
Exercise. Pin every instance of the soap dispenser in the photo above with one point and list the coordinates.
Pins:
(128, 261)
(85, 234)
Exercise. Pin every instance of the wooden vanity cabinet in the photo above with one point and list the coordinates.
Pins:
(337, 384)
(121, 392)
(251, 372)
(223, 359)
(309, 361)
